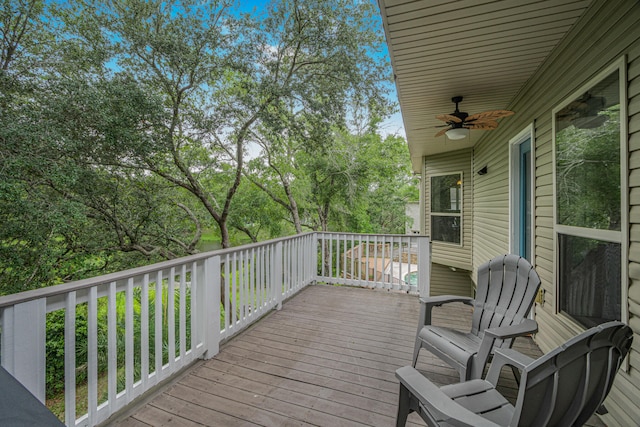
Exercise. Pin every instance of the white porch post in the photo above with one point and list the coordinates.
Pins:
(424, 266)
(211, 307)
(23, 344)
(313, 258)
(276, 278)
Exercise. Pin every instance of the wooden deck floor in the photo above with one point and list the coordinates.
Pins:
(326, 359)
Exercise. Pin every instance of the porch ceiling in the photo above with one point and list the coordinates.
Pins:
(483, 50)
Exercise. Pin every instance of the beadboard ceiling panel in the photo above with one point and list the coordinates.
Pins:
(483, 50)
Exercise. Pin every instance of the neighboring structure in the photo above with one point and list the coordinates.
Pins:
(412, 211)
(558, 182)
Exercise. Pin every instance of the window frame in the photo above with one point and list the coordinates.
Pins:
(514, 189)
(447, 214)
(622, 236)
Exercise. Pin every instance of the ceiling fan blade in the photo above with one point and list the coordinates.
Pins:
(487, 125)
(442, 132)
(489, 115)
(449, 118)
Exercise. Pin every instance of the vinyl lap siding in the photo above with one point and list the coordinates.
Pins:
(491, 201)
(444, 281)
(459, 161)
(608, 30)
(629, 386)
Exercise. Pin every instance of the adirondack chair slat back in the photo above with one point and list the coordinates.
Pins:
(506, 289)
(567, 385)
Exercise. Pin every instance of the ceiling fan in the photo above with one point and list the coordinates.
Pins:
(458, 122)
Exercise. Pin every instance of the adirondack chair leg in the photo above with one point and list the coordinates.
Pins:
(404, 406)
(516, 374)
(416, 351)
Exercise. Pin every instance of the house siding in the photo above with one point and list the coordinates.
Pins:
(445, 281)
(491, 201)
(607, 31)
(458, 256)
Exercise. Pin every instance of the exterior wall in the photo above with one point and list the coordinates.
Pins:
(458, 256)
(445, 281)
(608, 30)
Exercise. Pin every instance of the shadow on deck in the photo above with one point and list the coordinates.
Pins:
(327, 358)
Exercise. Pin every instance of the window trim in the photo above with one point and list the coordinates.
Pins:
(621, 236)
(447, 214)
(514, 188)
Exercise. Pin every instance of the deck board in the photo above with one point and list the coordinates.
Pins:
(327, 358)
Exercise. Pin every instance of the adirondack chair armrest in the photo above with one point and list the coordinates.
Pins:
(436, 402)
(506, 357)
(527, 326)
(445, 299)
(427, 304)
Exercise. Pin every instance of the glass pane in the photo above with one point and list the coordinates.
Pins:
(525, 200)
(445, 229)
(446, 193)
(590, 276)
(588, 158)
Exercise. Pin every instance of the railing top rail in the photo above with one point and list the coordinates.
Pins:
(9, 300)
(372, 234)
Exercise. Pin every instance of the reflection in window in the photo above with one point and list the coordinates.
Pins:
(588, 203)
(445, 193)
(445, 229)
(590, 277)
(446, 208)
(588, 158)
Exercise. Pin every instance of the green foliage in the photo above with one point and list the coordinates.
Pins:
(129, 127)
(55, 337)
(55, 348)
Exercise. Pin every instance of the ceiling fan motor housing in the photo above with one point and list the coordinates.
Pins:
(459, 114)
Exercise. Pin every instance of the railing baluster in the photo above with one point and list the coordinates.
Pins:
(234, 295)
(196, 315)
(92, 355)
(171, 321)
(244, 309)
(322, 241)
(332, 262)
(259, 279)
(375, 262)
(158, 327)
(227, 283)
(277, 274)
(251, 285)
(183, 313)
(112, 351)
(144, 333)
(70, 359)
(129, 339)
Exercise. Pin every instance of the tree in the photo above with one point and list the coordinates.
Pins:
(125, 126)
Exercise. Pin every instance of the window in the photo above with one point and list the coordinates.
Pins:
(590, 206)
(446, 208)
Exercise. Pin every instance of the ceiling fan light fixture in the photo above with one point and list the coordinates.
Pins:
(457, 133)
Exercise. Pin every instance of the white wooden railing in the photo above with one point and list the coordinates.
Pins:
(135, 339)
